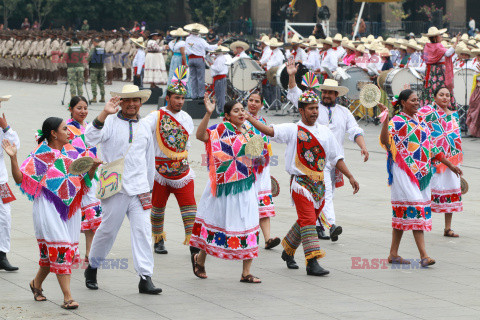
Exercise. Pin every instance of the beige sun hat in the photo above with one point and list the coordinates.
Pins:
(475, 52)
(237, 44)
(312, 43)
(179, 33)
(132, 91)
(5, 98)
(384, 52)
(264, 39)
(464, 50)
(477, 37)
(274, 43)
(390, 41)
(360, 48)
(370, 38)
(349, 45)
(327, 40)
(139, 42)
(220, 50)
(196, 28)
(371, 46)
(295, 40)
(446, 44)
(413, 44)
(338, 37)
(433, 32)
(332, 85)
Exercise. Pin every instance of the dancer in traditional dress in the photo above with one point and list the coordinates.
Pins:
(91, 206)
(171, 128)
(439, 62)
(57, 195)
(444, 127)
(310, 146)
(123, 135)
(263, 183)
(410, 148)
(226, 225)
(177, 45)
(473, 113)
(155, 69)
(6, 194)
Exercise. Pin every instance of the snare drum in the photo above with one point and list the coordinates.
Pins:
(461, 78)
(358, 78)
(398, 80)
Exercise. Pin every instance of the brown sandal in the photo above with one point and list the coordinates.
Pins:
(425, 262)
(250, 279)
(450, 233)
(272, 243)
(68, 305)
(198, 270)
(37, 293)
(398, 260)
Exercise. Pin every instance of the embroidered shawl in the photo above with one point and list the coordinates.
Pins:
(172, 137)
(230, 170)
(310, 157)
(77, 139)
(46, 171)
(267, 151)
(445, 134)
(432, 54)
(412, 149)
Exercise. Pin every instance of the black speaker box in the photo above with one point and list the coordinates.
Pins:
(196, 109)
(156, 93)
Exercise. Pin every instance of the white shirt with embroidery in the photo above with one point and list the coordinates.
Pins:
(194, 45)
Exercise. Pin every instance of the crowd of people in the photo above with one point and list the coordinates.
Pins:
(147, 158)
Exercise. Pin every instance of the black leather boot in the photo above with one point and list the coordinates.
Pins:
(335, 231)
(291, 264)
(314, 269)
(4, 264)
(146, 286)
(160, 247)
(194, 250)
(91, 278)
(321, 233)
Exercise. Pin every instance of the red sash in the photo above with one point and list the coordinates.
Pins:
(6, 194)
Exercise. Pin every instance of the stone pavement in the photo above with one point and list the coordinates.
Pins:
(355, 288)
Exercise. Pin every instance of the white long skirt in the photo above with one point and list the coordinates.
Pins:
(446, 192)
(155, 69)
(57, 239)
(410, 205)
(227, 227)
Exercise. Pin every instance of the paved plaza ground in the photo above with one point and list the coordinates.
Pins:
(356, 288)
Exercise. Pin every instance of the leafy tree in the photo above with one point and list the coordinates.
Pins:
(8, 6)
(213, 12)
(41, 9)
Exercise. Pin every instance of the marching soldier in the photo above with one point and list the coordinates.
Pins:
(75, 57)
(97, 73)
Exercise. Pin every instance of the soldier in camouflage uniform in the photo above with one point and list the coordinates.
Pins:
(75, 56)
(97, 73)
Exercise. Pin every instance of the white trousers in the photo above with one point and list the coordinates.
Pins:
(114, 210)
(329, 180)
(5, 226)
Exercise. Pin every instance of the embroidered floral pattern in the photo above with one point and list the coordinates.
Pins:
(172, 137)
(307, 161)
(91, 216)
(172, 169)
(411, 215)
(59, 256)
(447, 201)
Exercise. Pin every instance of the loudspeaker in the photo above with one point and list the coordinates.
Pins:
(156, 93)
(196, 109)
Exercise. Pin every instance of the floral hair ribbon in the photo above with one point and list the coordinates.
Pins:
(38, 135)
(310, 81)
(179, 81)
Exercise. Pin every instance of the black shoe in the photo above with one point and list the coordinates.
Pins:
(91, 278)
(194, 250)
(314, 269)
(321, 233)
(335, 231)
(146, 286)
(160, 247)
(291, 264)
(4, 264)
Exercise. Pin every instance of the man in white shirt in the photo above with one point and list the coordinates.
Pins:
(464, 60)
(341, 122)
(329, 57)
(337, 46)
(6, 133)
(266, 51)
(310, 148)
(195, 50)
(296, 52)
(121, 134)
(138, 63)
(275, 60)
(313, 56)
(219, 71)
(238, 48)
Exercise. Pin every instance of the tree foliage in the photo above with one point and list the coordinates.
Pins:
(212, 12)
(7, 7)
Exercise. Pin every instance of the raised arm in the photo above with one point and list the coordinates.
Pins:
(384, 138)
(202, 133)
(266, 130)
(11, 150)
(292, 71)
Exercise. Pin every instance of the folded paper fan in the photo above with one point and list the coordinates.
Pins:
(310, 80)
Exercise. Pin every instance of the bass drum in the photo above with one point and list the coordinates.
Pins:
(358, 78)
(240, 74)
(460, 79)
(398, 80)
(282, 76)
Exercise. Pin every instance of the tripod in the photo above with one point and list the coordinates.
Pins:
(65, 91)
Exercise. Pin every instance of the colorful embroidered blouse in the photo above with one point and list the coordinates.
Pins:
(267, 151)
(412, 149)
(46, 171)
(230, 170)
(77, 139)
(445, 134)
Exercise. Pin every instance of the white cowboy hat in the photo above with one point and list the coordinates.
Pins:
(313, 44)
(349, 45)
(220, 50)
(384, 52)
(433, 32)
(327, 40)
(370, 38)
(413, 44)
(179, 33)
(295, 39)
(274, 43)
(464, 50)
(5, 98)
(389, 41)
(132, 91)
(371, 47)
(332, 85)
(196, 28)
(360, 48)
(241, 44)
(139, 42)
(264, 39)
(338, 37)
(476, 52)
